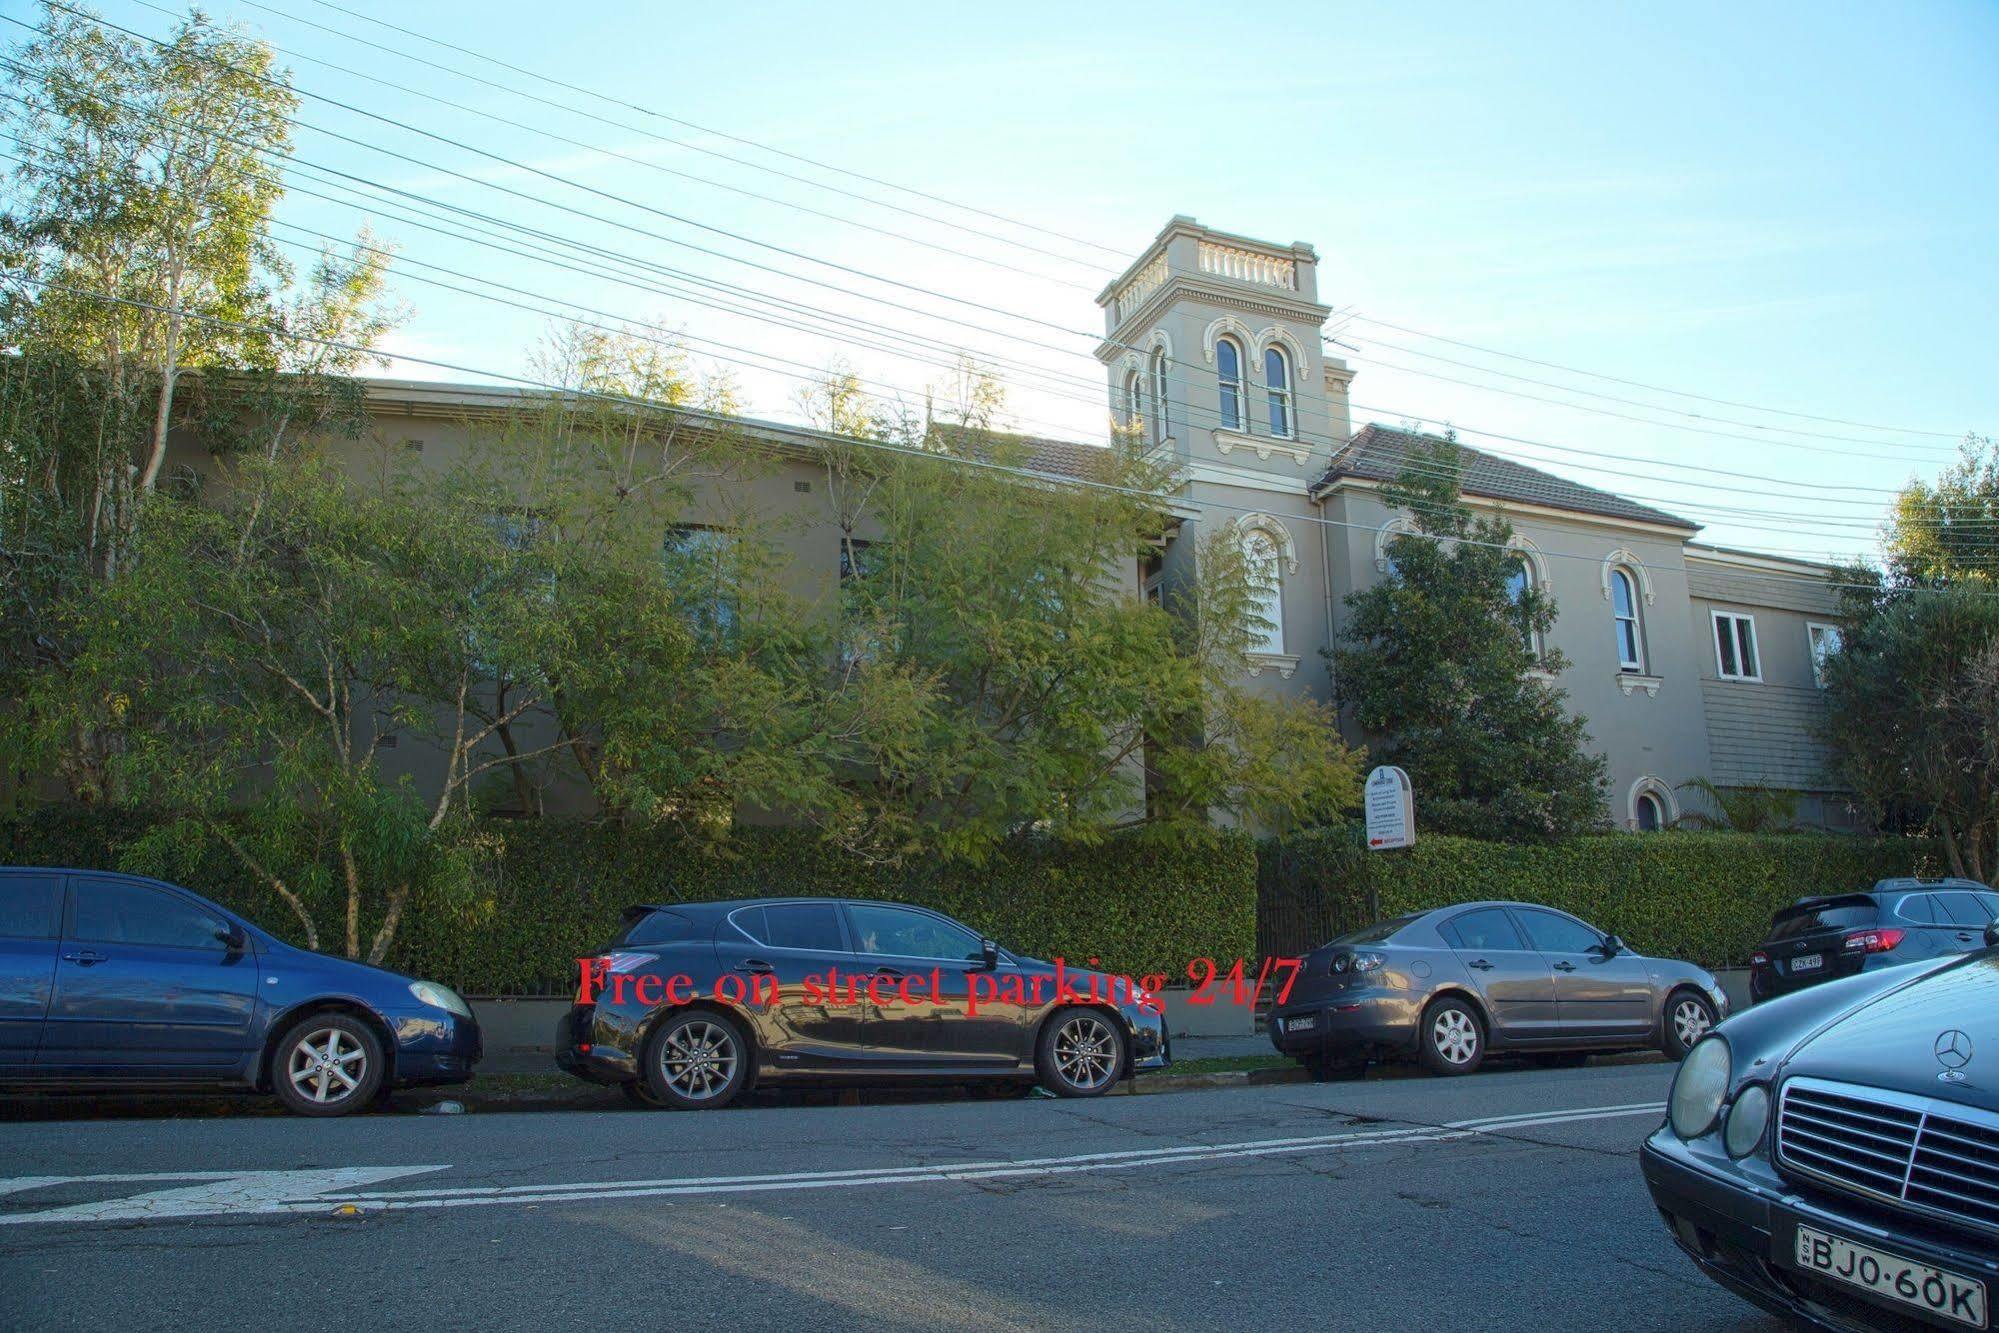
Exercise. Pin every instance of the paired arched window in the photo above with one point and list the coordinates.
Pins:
(1228, 367)
(1519, 582)
(1624, 613)
(1262, 558)
(1134, 401)
(1159, 400)
(1277, 385)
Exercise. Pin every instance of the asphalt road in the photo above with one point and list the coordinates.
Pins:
(1345, 1205)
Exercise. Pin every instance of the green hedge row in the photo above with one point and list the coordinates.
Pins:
(548, 891)
(1706, 897)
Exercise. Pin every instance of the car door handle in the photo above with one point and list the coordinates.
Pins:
(84, 958)
(1480, 964)
(1967, 936)
(1565, 967)
(756, 967)
(891, 973)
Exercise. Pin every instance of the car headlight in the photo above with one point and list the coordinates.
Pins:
(1699, 1088)
(1747, 1120)
(440, 997)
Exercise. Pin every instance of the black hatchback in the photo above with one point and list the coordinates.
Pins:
(1897, 921)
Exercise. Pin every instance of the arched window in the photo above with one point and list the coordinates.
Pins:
(1519, 582)
(1263, 559)
(1624, 609)
(1228, 367)
(1650, 818)
(1134, 401)
(1277, 383)
(1159, 399)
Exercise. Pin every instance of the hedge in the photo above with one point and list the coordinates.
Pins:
(547, 891)
(1706, 897)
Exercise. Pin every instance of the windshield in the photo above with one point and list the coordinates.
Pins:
(1379, 932)
(1810, 918)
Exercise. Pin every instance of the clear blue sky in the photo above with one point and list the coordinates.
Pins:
(1791, 205)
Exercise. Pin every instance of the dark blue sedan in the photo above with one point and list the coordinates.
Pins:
(110, 980)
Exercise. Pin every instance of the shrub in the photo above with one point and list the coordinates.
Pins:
(1706, 897)
(547, 891)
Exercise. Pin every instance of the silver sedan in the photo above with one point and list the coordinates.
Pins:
(1450, 984)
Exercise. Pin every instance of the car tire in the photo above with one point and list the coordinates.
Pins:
(327, 1064)
(1452, 1040)
(1080, 1053)
(697, 1060)
(1688, 1017)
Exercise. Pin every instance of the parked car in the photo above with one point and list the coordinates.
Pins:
(831, 991)
(1449, 984)
(1833, 1155)
(1898, 921)
(116, 981)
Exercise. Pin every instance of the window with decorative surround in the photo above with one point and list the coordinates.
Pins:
(1277, 386)
(1228, 368)
(1625, 614)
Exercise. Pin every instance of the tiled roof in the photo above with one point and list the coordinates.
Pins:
(1055, 458)
(1378, 453)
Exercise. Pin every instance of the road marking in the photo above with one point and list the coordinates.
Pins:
(219, 1193)
(268, 1193)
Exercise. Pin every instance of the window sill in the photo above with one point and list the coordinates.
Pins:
(1283, 663)
(1739, 680)
(1630, 683)
(1228, 441)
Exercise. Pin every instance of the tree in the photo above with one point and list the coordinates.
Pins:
(1750, 809)
(1913, 713)
(1944, 531)
(1438, 662)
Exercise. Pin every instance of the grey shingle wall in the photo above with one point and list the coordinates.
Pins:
(1765, 735)
(1732, 588)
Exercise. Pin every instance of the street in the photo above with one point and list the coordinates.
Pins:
(1506, 1200)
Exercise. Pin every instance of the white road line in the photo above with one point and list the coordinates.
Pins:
(290, 1192)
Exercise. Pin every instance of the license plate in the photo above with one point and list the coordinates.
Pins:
(1946, 1295)
(1305, 1024)
(1811, 962)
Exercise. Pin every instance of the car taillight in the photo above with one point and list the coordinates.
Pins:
(1759, 959)
(590, 972)
(1873, 941)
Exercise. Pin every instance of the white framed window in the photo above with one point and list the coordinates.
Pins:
(1519, 582)
(1650, 806)
(1159, 398)
(1735, 647)
(1263, 559)
(1824, 641)
(1134, 401)
(1228, 368)
(1277, 385)
(1624, 613)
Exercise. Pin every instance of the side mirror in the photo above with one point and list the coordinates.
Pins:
(1992, 934)
(1612, 946)
(989, 953)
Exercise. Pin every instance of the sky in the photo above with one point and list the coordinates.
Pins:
(1784, 206)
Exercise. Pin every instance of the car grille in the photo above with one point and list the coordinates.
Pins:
(1928, 1156)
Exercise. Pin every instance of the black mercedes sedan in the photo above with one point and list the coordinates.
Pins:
(1833, 1155)
(694, 1003)
(1448, 984)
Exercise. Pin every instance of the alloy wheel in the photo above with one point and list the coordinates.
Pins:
(1691, 1021)
(1455, 1036)
(327, 1065)
(699, 1060)
(1086, 1052)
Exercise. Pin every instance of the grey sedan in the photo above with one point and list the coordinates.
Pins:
(1449, 984)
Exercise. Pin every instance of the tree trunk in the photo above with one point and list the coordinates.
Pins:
(163, 406)
(353, 899)
(386, 936)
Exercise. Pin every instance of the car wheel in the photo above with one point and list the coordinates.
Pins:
(697, 1060)
(1688, 1017)
(1080, 1054)
(1453, 1039)
(327, 1064)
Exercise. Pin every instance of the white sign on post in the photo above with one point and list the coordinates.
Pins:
(1391, 809)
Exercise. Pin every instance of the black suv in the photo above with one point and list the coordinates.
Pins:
(1897, 921)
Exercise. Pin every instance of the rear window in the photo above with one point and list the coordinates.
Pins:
(1810, 918)
(1378, 933)
(29, 906)
(657, 928)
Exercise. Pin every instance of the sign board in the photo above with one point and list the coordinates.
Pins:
(1391, 809)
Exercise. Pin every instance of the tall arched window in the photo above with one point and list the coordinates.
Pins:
(1134, 401)
(1624, 609)
(1159, 399)
(1519, 581)
(1228, 367)
(1277, 382)
(1262, 557)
